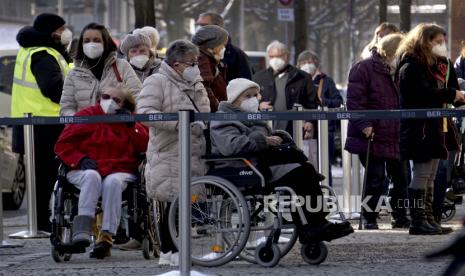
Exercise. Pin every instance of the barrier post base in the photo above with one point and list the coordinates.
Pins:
(30, 235)
(178, 273)
(10, 244)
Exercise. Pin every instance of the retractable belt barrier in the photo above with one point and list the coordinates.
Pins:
(269, 116)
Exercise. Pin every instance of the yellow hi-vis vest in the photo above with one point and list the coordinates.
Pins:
(26, 96)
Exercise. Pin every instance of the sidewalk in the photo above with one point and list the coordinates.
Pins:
(380, 252)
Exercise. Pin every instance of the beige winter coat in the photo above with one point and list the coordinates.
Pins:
(166, 92)
(82, 89)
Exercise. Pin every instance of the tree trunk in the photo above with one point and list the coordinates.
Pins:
(300, 29)
(383, 11)
(144, 12)
(405, 15)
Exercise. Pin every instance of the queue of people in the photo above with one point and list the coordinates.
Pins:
(209, 74)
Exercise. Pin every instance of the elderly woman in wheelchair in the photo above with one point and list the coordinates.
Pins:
(255, 138)
(102, 159)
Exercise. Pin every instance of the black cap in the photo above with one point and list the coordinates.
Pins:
(48, 23)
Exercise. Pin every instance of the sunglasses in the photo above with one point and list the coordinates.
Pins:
(107, 97)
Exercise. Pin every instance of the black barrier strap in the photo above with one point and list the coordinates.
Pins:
(288, 116)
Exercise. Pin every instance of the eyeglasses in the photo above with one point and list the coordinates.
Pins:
(107, 97)
(192, 64)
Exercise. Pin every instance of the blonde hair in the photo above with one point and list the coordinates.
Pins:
(388, 45)
(417, 43)
(128, 98)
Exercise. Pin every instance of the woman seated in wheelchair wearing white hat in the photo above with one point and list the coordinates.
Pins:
(102, 159)
(254, 138)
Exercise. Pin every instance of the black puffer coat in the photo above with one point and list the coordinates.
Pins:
(424, 139)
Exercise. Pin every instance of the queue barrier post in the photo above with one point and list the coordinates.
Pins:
(31, 232)
(297, 128)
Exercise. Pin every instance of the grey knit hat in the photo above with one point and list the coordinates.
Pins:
(210, 36)
(132, 40)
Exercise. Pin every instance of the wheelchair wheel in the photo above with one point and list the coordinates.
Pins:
(261, 224)
(447, 213)
(314, 253)
(62, 226)
(220, 221)
(267, 256)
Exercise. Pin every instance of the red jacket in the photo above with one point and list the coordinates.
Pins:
(114, 146)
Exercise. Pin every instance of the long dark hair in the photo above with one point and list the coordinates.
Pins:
(108, 43)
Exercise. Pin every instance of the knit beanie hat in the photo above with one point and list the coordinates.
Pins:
(151, 32)
(210, 36)
(48, 23)
(132, 40)
(237, 86)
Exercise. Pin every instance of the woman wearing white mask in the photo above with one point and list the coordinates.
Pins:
(252, 138)
(102, 159)
(137, 50)
(176, 86)
(426, 80)
(96, 68)
(212, 40)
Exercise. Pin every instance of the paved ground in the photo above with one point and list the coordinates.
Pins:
(381, 252)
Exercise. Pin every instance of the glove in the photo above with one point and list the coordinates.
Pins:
(88, 164)
(124, 111)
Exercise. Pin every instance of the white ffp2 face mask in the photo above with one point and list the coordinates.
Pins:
(93, 50)
(250, 105)
(440, 50)
(139, 61)
(109, 106)
(191, 74)
(66, 37)
(309, 68)
(277, 64)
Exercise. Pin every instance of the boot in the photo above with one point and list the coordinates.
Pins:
(419, 225)
(430, 215)
(82, 226)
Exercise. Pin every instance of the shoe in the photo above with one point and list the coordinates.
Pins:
(165, 258)
(174, 259)
(432, 216)
(101, 250)
(401, 223)
(131, 245)
(419, 224)
(326, 232)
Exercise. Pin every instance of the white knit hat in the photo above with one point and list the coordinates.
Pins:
(151, 32)
(237, 86)
(132, 40)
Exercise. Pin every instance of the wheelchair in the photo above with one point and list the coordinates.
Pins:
(65, 198)
(231, 218)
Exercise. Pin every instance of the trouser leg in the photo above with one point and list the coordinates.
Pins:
(396, 169)
(167, 243)
(45, 137)
(376, 175)
(89, 183)
(113, 186)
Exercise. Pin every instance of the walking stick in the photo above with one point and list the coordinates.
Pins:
(364, 184)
